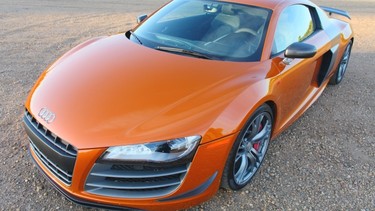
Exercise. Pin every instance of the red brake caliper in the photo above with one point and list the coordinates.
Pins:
(256, 146)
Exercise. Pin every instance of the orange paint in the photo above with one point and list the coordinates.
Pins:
(113, 92)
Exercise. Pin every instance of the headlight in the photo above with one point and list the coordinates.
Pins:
(163, 151)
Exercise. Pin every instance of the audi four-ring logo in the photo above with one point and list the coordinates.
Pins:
(47, 115)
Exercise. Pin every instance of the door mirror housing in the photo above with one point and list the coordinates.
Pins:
(141, 18)
(300, 50)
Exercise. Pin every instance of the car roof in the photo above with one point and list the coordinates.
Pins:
(270, 4)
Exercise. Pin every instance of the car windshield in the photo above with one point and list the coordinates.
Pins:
(206, 29)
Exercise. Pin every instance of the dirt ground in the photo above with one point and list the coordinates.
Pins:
(324, 161)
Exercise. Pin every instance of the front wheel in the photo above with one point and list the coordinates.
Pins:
(341, 69)
(249, 150)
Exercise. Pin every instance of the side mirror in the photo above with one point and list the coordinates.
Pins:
(300, 50)
(141, 18)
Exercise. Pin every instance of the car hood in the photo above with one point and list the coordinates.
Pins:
(111, 92)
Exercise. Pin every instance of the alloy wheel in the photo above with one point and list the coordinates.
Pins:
(344, 63)
(253, 148)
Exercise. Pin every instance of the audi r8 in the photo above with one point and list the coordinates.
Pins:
(186, 102)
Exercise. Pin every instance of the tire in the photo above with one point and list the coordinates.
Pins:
(249, 149)
(341, 69)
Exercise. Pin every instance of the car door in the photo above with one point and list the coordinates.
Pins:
(296, 78)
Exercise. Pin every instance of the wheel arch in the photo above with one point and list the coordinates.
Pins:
(239, 110)
(273, 106)
(266, 100)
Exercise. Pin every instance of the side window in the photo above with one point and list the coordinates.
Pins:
(295, 24)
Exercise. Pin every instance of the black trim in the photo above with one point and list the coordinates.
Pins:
(331, 11)
(75, 199)
(328, 60)
(315, 17)
(325, 67)
(57, 156)
(200, 189)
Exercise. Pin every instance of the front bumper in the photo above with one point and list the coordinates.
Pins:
(200, 182)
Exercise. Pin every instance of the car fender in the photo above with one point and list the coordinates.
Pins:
(235, 115)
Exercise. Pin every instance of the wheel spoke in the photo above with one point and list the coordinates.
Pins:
(257, 155)
(342, 69)
(242, 147)
(239, 156)
(241, 172)
(261, 135)
(253, 157)
(255, 125)
(258, 121)
(253, 131)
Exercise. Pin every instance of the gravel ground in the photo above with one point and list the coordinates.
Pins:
(324, 161)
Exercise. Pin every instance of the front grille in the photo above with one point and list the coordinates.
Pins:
(66, 177)
(134, 181)
(56, 154)
(51, 137)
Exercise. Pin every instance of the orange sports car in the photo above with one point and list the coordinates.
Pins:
(163, 115)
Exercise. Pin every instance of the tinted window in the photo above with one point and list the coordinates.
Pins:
(295, 24)
(216, 29)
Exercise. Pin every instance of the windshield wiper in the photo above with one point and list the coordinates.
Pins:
(135, 36)
(183, 51)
